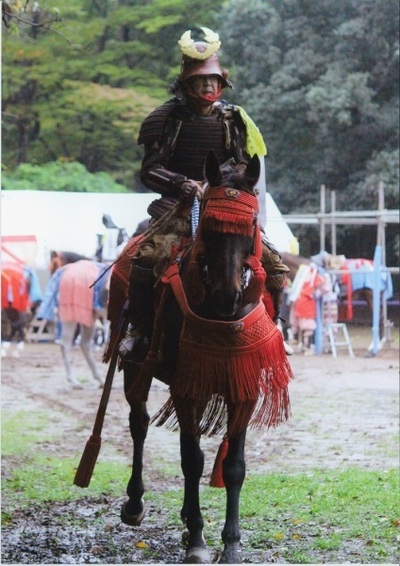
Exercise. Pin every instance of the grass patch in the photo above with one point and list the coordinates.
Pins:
(21, 429)
(44, 478)
(323, 516)
(325, 512)
(333, 516)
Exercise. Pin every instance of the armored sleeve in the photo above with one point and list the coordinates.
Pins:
(155, 176)
(156, 136)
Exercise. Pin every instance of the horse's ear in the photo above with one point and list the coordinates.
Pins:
(212, 173)
(253, 169)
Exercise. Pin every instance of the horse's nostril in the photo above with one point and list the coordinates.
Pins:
(227, 303)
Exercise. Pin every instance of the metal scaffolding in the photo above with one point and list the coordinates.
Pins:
(379, 217)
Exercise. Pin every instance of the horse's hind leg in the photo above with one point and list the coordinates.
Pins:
(132, 511)
(67, 333)
(86, 346)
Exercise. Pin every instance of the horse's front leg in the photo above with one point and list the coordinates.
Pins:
(233, 473)
(192, 463)
(133, 511)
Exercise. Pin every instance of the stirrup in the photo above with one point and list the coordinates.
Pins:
(134, 346)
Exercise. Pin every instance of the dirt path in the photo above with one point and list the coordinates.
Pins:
(345, 413)
(344, 410)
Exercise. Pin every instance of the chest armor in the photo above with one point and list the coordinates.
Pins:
(195, 138)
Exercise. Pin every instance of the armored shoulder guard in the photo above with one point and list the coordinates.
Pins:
(152, 127)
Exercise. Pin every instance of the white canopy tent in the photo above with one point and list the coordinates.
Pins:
(71, 221)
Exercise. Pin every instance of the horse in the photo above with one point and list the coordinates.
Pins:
(216, 346)
(69, 290)
(59, 259)
(353, 286)
(20, 295)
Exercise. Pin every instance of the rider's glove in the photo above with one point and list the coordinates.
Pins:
(190, 189)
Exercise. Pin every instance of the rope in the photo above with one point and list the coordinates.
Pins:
(194, 217)
(151, 230)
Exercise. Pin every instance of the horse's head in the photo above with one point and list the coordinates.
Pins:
(228, 233)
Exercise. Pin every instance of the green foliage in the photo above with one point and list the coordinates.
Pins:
(80, 91)
(59, 176)
(322, 83)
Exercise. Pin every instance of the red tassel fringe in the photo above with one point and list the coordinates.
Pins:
(216, 479)
(227, 223)
(268, 303)
(223, 363)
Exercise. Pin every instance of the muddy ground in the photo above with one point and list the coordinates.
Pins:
(345, 413)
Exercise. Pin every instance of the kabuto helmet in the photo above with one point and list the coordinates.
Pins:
(200, 57)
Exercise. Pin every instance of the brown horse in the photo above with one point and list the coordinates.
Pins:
(359, 290)
(218, 349)
(59, 259)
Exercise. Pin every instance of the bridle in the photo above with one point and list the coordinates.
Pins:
(229, 211)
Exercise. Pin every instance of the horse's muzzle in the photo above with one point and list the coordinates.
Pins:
(226, 304)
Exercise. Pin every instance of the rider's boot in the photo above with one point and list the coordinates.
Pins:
(135, 345)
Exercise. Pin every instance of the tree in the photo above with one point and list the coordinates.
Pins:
(80, 92)
(59, 176)
(321, 81)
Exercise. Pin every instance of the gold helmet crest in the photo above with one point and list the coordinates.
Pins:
(200, 57)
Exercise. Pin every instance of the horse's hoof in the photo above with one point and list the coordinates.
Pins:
(133, 520)
(197, 555)
(230, 559)
(75, 383)
(230, 554)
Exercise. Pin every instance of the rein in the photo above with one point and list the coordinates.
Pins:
(227, 211)
(173, 278)
(225, 363)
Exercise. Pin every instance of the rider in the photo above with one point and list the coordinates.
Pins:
(177, 137)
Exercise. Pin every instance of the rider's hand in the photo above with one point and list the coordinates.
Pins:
(190, 189)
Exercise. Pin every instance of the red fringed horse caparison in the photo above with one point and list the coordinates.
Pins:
(218, 349)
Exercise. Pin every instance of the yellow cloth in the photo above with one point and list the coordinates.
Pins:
(254, 139)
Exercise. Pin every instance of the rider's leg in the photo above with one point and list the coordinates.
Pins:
(276, 279)
(140, 313)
